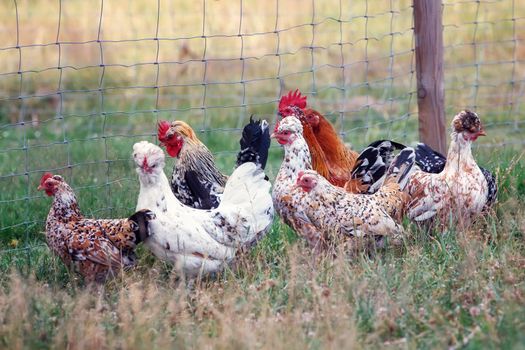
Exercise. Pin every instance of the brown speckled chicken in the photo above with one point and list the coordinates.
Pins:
(302, 212)
(95, 248)
(460, 191)
(333, 211)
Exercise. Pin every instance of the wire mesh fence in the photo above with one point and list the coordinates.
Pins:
(81, 82)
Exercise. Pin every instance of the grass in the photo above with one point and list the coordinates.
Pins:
(456, 289)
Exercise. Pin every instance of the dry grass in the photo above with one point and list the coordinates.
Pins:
(458, 289)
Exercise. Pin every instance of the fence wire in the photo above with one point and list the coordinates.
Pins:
(81, 82)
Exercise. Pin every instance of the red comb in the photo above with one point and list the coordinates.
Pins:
(163, 127)
(45, 177)
(294, 98)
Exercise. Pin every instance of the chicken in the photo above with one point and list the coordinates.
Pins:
(330, 157)
(95, 248)
(288, 199)
(195, 180)
(202, 241)
(334, 211)
(460, 192)
(431, 161)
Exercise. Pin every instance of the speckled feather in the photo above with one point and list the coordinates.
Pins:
(334, 211)
(95, 248)
(431, 161)
(329, 209)
(288, 199)
(460, 191)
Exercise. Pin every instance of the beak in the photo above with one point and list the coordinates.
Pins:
(482, 133)
(40, 188)
(273, 136)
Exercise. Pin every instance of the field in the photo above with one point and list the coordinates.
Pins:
(77, 107)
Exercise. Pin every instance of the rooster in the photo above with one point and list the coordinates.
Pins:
(332, 210)
(96, 248)
(330, 156)
(460, 191)
(202, 241)
(195, 179)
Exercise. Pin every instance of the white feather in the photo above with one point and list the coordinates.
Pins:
(202, 241)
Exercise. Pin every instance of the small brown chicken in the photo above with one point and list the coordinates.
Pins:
(95, 248)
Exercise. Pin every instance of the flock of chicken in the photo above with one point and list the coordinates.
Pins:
(201, 219)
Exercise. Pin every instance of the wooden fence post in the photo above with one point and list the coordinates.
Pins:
(428, 33)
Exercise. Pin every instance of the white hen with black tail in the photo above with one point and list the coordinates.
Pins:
(202, 241)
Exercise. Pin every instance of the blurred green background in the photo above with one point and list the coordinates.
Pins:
(81, 81)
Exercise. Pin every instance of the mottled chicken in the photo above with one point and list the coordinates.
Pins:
(95, 248)
(431, 161)
(195, 180)
(330, 157)
(288, 199)
(460, 192)
(333, 211)
(202, 241)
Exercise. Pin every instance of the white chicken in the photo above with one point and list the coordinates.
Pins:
(460, 191)
(199, 241)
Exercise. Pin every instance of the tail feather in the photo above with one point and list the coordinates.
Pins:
(246, 199)
(401, 167)
(428, 160)
(386, 149)
(492, 188)
(255, 142)
(141, 219)
(369, 167)
(200, 191)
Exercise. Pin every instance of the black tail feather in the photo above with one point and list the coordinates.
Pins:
(492, 187)
(141, 219)
(386, 149)
(199, 191)
(369, 166)
(255, 142)
(428, 160)
(402, 166)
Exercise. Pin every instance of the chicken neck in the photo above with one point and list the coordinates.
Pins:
(65, 205)
(296, 158)
(195, 156)
(459, 154)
